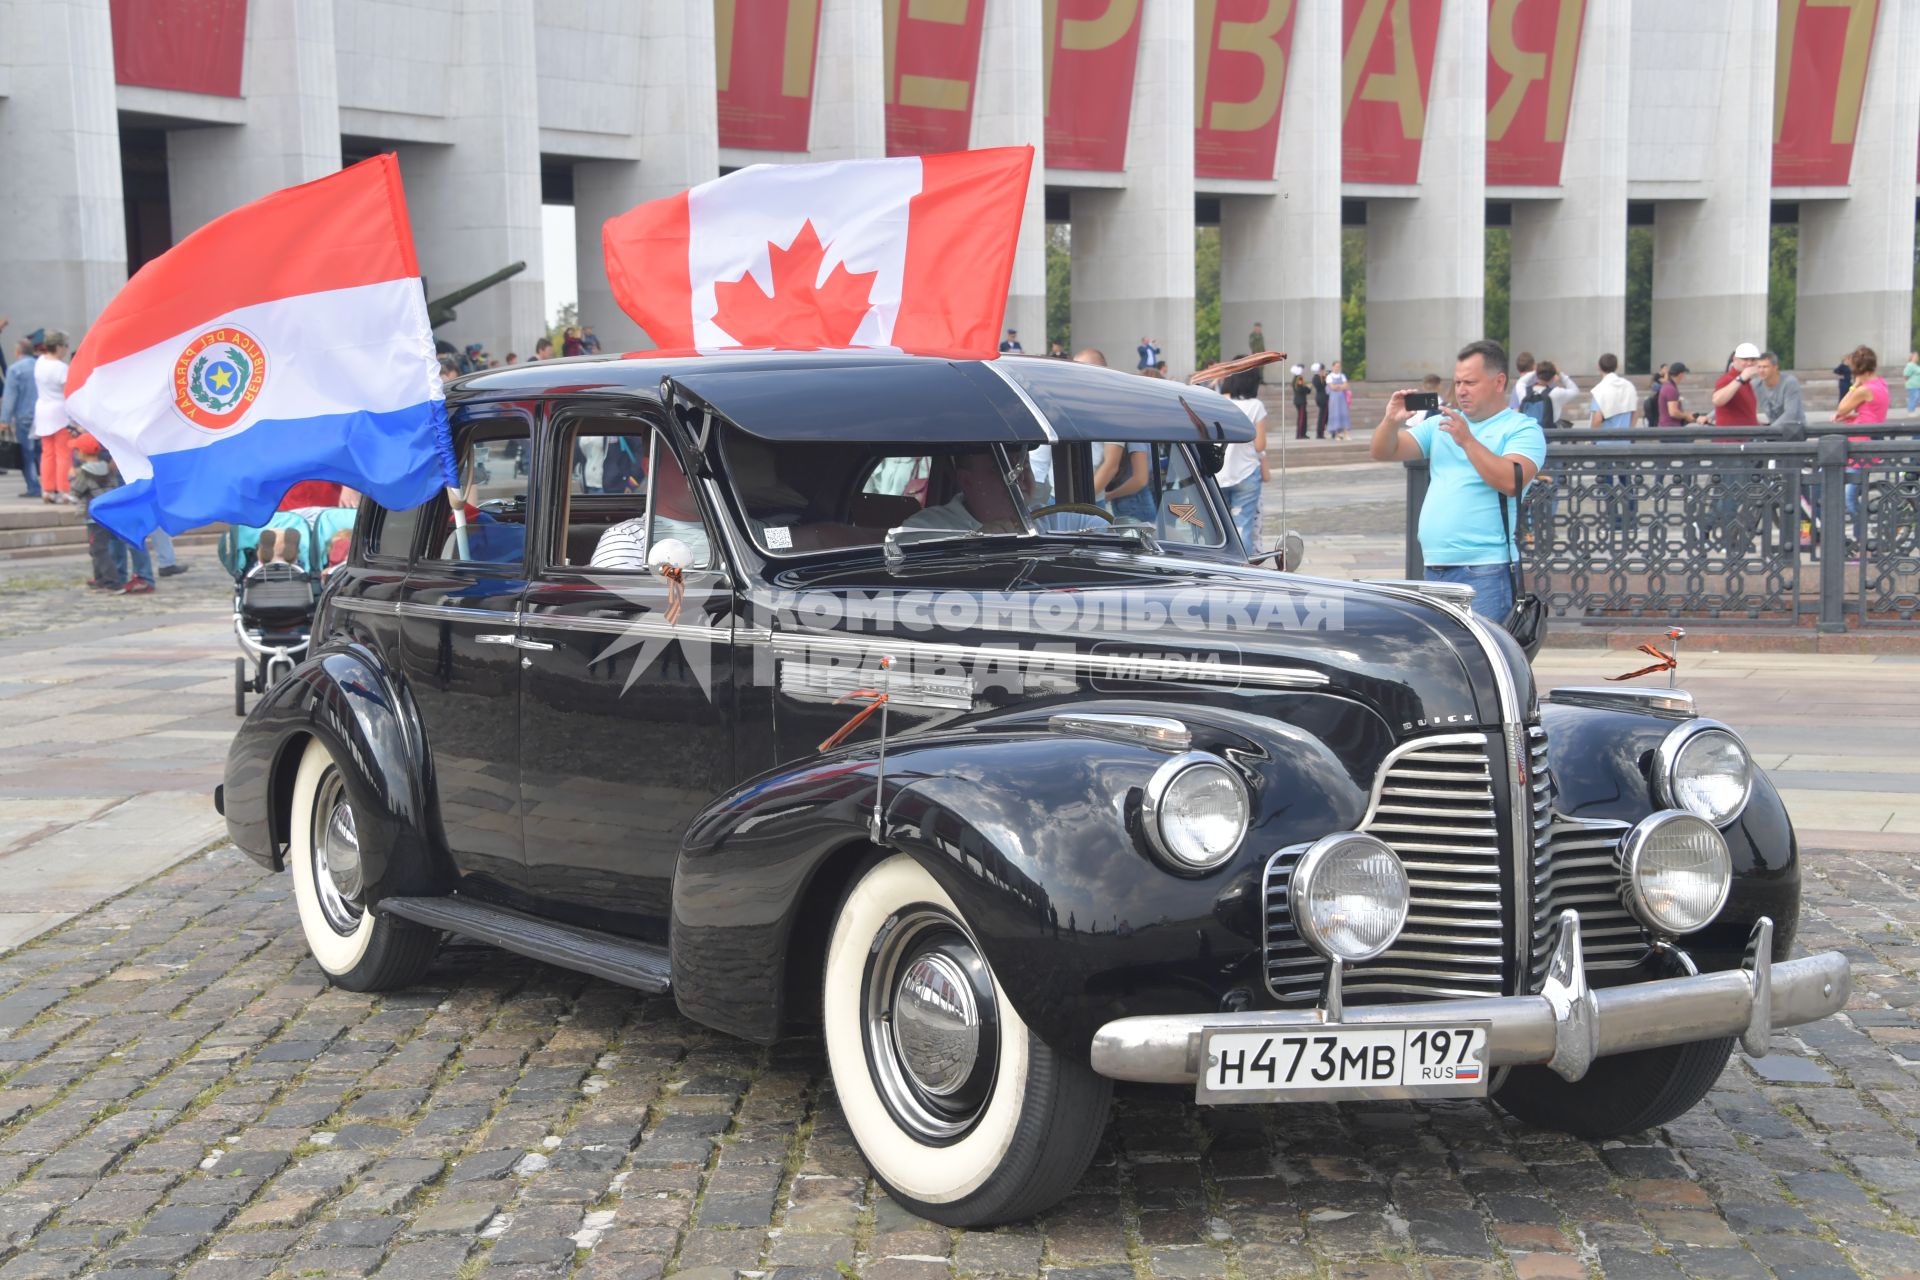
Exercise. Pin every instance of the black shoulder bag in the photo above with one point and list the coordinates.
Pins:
(1527, 620)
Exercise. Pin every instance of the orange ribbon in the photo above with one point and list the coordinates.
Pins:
(840, 735)
(1667, 663)
(676, 591)
(1227, 368)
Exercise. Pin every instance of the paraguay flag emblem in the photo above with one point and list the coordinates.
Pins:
(285, 341)
(218, 375)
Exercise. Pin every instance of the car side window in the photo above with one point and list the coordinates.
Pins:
(493, 483)
(390, 533)
(1184, 512)
(626, 494)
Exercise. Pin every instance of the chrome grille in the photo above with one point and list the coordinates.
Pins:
(1434, 804)
(1575, 864)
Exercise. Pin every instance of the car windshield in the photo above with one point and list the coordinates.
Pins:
(803, 496)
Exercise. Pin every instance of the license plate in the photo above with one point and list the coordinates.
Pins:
(1333, 1062)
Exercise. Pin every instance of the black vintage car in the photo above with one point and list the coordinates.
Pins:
(828, 689)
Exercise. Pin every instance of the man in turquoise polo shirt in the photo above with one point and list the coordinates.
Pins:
(1471, 447)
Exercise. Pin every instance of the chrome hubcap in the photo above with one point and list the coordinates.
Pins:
(337, 874)
(932, 1032)
(936, 1024)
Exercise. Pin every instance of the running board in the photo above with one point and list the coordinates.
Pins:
(631, 963)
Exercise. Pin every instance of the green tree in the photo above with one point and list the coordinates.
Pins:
(1497, 307)
(1353, 301)
(1783, 291)
(1206, 296)
(1060, 283)
(1639, 352)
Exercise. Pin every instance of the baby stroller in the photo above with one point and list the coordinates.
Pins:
(274, 599)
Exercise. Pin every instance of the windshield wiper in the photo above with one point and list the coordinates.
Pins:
(894, 544)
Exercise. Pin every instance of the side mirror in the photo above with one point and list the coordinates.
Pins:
(1286, 555)
(669, 551)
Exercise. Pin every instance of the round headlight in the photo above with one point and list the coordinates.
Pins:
(1349, 897)
(1676, 872)
(1195, 812)
(1706, 771)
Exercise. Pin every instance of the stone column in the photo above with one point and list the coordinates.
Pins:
(849, 82)
(1569, 283)
(1280, 254)
(1710, 256)
(1133, 246)
(1855, 286)
(292, 135)
(1009, 109)
(60, 144)
(476, 202)
(1426, 256)
(679, 147)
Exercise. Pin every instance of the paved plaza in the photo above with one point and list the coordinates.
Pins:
(181, 1094)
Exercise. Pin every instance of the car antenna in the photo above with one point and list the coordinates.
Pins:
(880, 765)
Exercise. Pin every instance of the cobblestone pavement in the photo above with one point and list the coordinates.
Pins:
(182, 1095)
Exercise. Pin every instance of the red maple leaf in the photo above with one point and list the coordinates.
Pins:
(798, 313)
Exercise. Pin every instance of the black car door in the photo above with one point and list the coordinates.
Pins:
(627, 697)
(458, 634)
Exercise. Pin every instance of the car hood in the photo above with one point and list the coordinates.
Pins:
(1115, 618)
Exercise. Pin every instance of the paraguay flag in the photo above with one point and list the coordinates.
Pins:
(286, 341)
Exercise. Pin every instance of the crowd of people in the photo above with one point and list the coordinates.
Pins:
(575, 340)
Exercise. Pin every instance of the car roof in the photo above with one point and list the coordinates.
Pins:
(877, 396)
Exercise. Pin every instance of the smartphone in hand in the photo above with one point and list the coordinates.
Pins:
(1422, 401)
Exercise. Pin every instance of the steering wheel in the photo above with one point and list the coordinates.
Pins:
(1078, 508)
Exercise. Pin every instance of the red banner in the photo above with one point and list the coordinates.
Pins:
(763, 51)
(195, 45)
(1241, 48)
(1091, 51)
(933, 58)
(1532, 49)
(1386, 73)
(1819, 79)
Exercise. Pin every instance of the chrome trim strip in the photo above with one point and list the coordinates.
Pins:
(1046, 427)
(830, 682)
(640, 626)
(1668, 702)
(379, 608)
(1157, 732)
(1106, 667)
(443, 612)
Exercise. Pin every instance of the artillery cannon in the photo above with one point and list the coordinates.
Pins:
(441, 310)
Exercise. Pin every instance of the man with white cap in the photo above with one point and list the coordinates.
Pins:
(1734, 402)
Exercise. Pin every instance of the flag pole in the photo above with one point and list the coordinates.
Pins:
(458, 506)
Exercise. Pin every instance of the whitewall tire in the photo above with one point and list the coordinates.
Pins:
(964, 1115)
(358, 949)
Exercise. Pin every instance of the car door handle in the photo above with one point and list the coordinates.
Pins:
(496, 639)
(521, 642)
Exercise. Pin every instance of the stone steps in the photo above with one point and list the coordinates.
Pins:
(32, 530)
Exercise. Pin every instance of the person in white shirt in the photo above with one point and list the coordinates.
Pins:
(1560, 390)
(1614, 399)
(1244, 469)
(50, 421)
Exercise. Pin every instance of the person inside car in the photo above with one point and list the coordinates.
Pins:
(982, 500)
(624, 545)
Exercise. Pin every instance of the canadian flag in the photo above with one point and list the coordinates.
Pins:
(912, 252)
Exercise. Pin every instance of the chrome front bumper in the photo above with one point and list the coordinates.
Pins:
(1566, 1026)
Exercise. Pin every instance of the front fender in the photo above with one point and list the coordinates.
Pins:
(1603, 768)
(1035, 835)
(346, 698)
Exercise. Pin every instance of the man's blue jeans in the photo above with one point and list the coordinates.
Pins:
(29, 456)
(1492, 587)
(131, 560)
